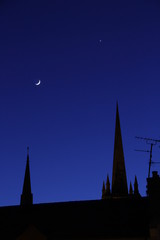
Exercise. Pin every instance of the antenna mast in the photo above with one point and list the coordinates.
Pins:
(152, 142)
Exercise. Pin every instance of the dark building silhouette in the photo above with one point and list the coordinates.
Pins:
(119, 215)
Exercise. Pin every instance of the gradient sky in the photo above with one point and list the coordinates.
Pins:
(88, 54)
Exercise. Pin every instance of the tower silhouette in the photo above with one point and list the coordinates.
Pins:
(119, 179)
(26, 196)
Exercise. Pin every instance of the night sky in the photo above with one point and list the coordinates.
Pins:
(88, 54)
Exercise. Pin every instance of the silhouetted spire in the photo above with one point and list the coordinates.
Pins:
(27, 197)
(106, 189)
(103, 190)
(130, 189)
(107, 186)
(119, 179)
(136, 191)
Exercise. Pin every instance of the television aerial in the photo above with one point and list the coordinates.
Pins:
(152, 142)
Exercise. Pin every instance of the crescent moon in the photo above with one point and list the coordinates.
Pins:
(38, 83)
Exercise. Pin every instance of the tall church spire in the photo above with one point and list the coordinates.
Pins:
(119, 179)
(26, 196)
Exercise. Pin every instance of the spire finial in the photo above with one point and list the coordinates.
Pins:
(119, 179)
(117, 108)
(27, 151)
(117, 104)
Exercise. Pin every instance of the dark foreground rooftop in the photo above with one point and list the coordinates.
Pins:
(108, 218)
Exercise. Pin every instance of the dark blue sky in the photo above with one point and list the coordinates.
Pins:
(88, 54)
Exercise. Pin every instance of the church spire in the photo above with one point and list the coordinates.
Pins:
(26, 196)
(107, 186)
(119, 179)
(136, 190)
(130, 189)
(103, 190)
